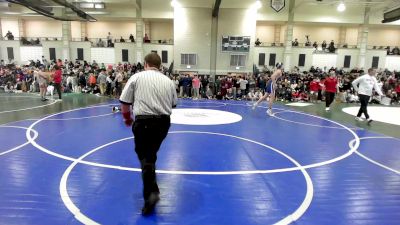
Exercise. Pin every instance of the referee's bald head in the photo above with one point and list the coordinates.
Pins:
(153, 60)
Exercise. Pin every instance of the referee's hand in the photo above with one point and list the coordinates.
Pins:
(128, 122)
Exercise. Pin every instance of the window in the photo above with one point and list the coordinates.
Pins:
(80, 53)
(347, 60)
(188, 59)
(272, 59)
(52, 52)
(375, 62)
(164, 56)
(10, 53)
(261, 59)
(238, 60)
(302, 60)
(125, 56)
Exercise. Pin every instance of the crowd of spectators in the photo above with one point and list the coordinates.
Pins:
(108, 80)
(78, 76)
(110, 41)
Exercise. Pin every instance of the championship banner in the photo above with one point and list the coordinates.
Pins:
(277, 5)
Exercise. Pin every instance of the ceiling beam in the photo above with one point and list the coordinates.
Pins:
(216, 8)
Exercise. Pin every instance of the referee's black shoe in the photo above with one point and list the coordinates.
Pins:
(150, 203)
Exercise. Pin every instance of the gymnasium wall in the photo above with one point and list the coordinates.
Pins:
(148, 48)
(393, 62)
(384, 36)
(43, 28)
(328, 14)
(192, 37)
(278, 51)
(378, 53)
(308, 60)
(265, 32)
(162, 30)
(317, 33)
(240, 22)
(9, 25)
(156, 10)
(76, 29)
(3, 50)
(117, 28)
(58, 45)
(342, 52)
(352, 35)
(86, 50)
(131, 51)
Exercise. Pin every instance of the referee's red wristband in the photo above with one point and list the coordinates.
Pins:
(127, 115)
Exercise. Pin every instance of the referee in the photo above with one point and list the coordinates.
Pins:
(153, 96)
(364, 85)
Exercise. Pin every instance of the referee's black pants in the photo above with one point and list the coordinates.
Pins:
(364, 99)
(149, 133)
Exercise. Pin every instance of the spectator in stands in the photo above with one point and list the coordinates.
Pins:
(86, 39)
(308, 43)
(186, 83)
(131, 38)
(258, 42)
(146, 38)
(315, 45)
(295, 42)
(9, 36)
(388, 50)
(102, 81)
(109, 40)
(24, 41)
(242, 86)
(396, 51)
(209, 93)
(323, 45)
(100, 43)
(204, 85)
(331, 47)
(121, 39)
(196, 87)
(330, 84)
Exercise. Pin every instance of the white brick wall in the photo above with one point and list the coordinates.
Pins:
(267, 51)
(58, 45)
(131, 51)
(147, 48)
(371, 53)
(192, 34)
(351, 52)
(74, 50)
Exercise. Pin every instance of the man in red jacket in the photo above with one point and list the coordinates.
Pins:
(314, 87)
(57, 78)
(330, 84)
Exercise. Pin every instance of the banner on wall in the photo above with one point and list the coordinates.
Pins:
(277, 5)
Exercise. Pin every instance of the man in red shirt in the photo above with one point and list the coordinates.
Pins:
(330, 84)
(314, 87)
(57, 78)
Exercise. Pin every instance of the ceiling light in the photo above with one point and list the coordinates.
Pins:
(173, 3)
(258, 4)
(341, 7)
